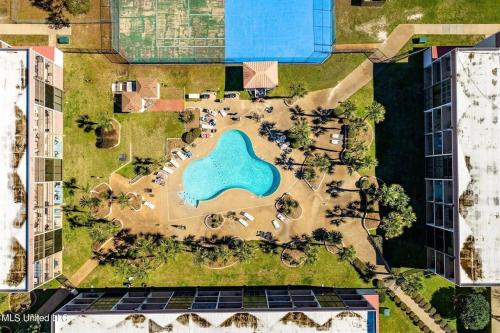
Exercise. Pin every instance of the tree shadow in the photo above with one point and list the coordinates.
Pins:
(400, 150)
(234, 78)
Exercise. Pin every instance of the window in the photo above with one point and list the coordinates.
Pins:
(447, 142)
(39, 92)
(448, 191)
(449, 268)
(448, 216)
(439, 263)
(436, 95)
(438, 167)
(437, 119)
(447, 167)
(429, 195)
(446, 91)
(436, 72)
(439, 239)
(428, 145)
(438, 191)
(427, 76)
(429, 213)
(428, 98)
(438, 215)
(38, 248)
(429, 167)
(430, 240)
(446, 117)
(428, 122)
(448, 242)
(431, 259)
(53, 169)
(446, 67)
(438, 143)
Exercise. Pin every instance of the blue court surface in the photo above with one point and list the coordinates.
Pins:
(289, 31)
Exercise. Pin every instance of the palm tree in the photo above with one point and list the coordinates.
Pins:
(338, 221)
(267, 129)
(83, 121)
(347, 253)
(357, 124)
(334, 187)
(375, 112)
(297, 90)
(297, 112)
(346, 109)
(288, 205)
(105, 123)
(322, 162)
(307, 173)
(311, 253)
(300, 134)
(123, 200)
(90, 202)
(71, 186)
(322, 115)
(243, 251)
(393, 224)
(334, 237)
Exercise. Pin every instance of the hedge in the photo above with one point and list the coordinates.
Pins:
(426, 329)
(397, 300)
(427, 307)
(403, 306)
(192, 135)
(432, 311)
(420, 324)
(437, 317)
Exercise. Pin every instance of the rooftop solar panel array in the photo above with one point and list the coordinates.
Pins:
(212, 299)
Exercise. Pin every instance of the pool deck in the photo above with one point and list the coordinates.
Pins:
(170, 208)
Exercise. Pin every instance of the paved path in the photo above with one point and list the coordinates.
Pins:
(34, 29)
(363, 74)
(422, 315)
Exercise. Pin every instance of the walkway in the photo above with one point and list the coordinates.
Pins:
(34, 29)
(363, 74)
(421, 314)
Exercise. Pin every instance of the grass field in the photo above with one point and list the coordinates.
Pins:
(397, 322)
(263, 269)
(357, 24)
(25, 40)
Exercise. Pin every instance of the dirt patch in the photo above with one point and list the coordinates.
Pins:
(108, 139)
(375, 28)
(135, 201)
(102, 191)
(293, 257)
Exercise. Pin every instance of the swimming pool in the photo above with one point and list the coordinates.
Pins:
(231, 164)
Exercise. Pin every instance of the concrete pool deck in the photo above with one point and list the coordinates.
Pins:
(171, 210)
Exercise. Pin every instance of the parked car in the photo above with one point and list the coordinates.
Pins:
(205, 96)
(230, 95)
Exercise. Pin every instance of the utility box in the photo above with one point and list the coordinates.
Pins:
(63, 40)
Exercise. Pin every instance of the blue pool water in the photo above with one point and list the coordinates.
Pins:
(232, 164)
(290, 31)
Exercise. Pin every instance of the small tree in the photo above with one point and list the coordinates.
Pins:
(473, 311)
(105, 123)
(322, 115)
(375, 112)
(393, 196)
(393, 224)
(123, 200)
(90, 202)
(243, 251)
(412, 283)
(311, 253)
(300, 134)
(186, 116)
(308, 173)
(347, 253)
(191, 136)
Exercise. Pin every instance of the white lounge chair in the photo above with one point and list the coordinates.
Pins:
(335, 141)
(276, 224)
(222, 112)
(174, 163)
(248, 216)
(149, 204)
(281, 217)
(206, 126)
(168, 170)
(181, 155)
(243, 222)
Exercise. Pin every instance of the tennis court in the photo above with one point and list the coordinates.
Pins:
(215, 31)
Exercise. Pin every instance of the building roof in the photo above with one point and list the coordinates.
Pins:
(148, 87)
(167, 105)
(478, 163)
(13, 168)
(260, 75)
(131, 102)
(216, 309)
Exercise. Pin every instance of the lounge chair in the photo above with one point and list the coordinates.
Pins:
(248, 216)
(181, 155)
(206, 126)
(149, 204)
(276, 224)
(168, 170)
(335, 141)
(222, 112)
(281, 217)
(174, 163)
(243, 222)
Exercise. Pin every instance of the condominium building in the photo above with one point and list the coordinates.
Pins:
(220, 309)
(31, 138)
(462, 155)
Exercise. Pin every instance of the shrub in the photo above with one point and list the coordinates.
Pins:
(432, 311)
(447, 328)
(426, 329)
(76, 7)
(443, 323)
(422, 303)
(192, 135)
(418, 298)
(427, 307)
(397, 300)
(403, 306)
(420, 324)
(416, 320)
(391, 294)
(381, 297)
(437, 317)
(473, 311)
(186, 116)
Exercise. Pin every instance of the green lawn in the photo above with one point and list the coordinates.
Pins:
(77, 248)
(263, 269)
(397, 322)
(317, 77)
(357, 24)
(25, 40)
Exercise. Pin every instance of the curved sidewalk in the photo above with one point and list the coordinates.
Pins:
(363, 74)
